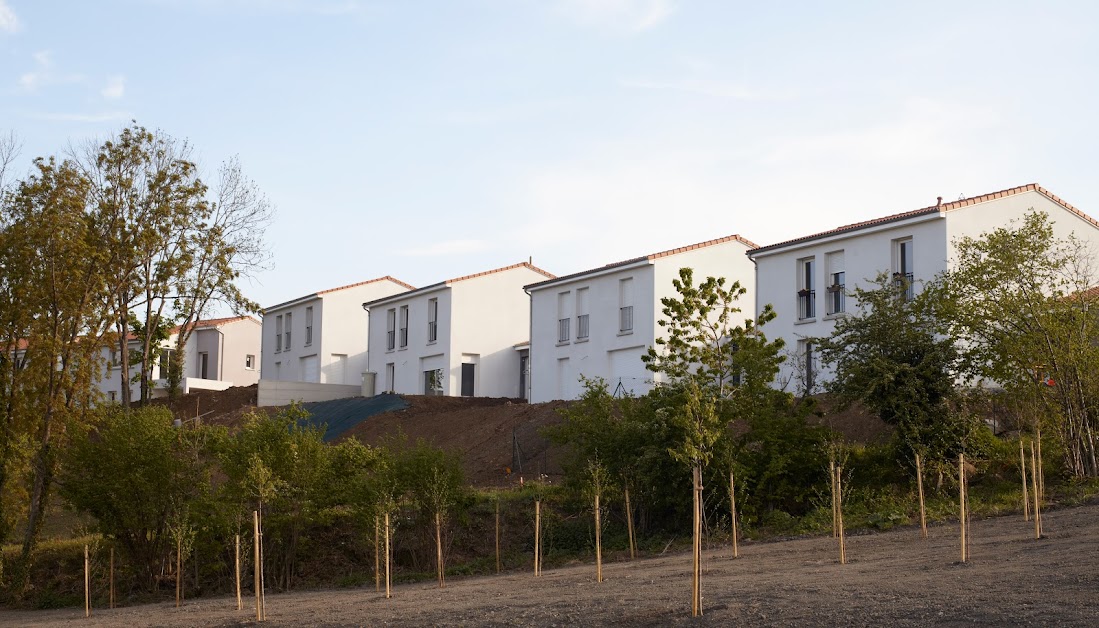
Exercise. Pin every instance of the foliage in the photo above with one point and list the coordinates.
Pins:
(1023, 302)
(138, 476)
(894, 357)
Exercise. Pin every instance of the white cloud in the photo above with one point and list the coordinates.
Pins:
(9, 23)
(44, 73)
(620, 15)
(448, 247)
(115, 88)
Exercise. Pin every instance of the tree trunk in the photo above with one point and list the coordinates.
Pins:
(439, 546)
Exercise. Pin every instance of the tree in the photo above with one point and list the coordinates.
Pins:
(138, 476)
(224, 246)
(53, 322)
(896, 357)
(1023, 303)
(717, 369)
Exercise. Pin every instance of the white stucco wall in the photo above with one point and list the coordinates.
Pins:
(339, 329)
(556, 367)
(870, 250)
(480, 320)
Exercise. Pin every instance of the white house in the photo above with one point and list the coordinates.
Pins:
(599, 322)
(462, 336)
(220, 353)
(319, 338)
(809, 279)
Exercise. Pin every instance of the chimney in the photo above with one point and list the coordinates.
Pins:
(940, 203)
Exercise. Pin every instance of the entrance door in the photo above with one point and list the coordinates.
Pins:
(468, 371)
(203, 362)
(523, 361)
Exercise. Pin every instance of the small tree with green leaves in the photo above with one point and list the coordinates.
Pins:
(895, 356)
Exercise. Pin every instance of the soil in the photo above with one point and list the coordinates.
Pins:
(892, 578)
(217, 407)
(498, 439)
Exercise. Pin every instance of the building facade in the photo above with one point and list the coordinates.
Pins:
(599, 322)
(219, 354)
(458, 337)
(809, 280)
(320, 338)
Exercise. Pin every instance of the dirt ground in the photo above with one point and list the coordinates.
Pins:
(484, 431)
(893, 578)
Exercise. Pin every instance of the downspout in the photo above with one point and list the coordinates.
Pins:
(530, 342)
(221, 354)
(375, 391)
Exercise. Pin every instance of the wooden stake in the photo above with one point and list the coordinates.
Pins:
(919, 488)
(1037, 493)
(497, 535)
(537, 537)
(696, 584)
(835, 512)
(1026, 493)
(377, 556)
(388, 592)
(262, 580)
(732, 511)
(1041, 467)
(598, 544)
(111, 603)
(439, 547)
(87, 584)
(629, 524)
(236, 570)
(256, 571)
(838, 482)
(961, 505)
(179, 570)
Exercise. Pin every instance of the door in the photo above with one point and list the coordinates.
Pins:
(203, 362)
(524, 360)
(310, 369)
(468, 371)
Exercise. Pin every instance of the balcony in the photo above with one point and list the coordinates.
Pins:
(807, 304)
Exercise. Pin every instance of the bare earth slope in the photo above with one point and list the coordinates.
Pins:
(894, 578)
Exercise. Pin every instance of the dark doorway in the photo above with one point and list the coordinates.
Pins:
(523, 361)
(467, 379)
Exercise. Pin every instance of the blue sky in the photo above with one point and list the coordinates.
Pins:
(430, 139)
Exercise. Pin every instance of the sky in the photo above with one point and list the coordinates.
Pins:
(429, 139)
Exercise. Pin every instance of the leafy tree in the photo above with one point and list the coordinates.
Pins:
(138, 476)
(52, 323)
(1023, 303)
(278, 465)
(896, 357)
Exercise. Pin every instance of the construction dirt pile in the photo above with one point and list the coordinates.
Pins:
(498, 439)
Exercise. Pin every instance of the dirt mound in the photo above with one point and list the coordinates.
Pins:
(498, 439)
(217, 407)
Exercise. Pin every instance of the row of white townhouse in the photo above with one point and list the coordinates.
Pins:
(519, 331)
(220, 352)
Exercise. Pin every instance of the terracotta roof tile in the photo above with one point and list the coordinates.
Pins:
(933, 209)
(526, 265)
(368, 281)
(449, 282)
(650, 257)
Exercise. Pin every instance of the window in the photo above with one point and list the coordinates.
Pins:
(625, 305)
(582, 314)
(308, 326)
(902, 266)
(807, 293)
(278, 333)
(250, 362)
(390, 329)
(112, 395)
(809, 373)
(286, 337)
(404, 327)
(433, 382)
(564, 316)
(836, 293)
(835, 284)
(432, 320)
